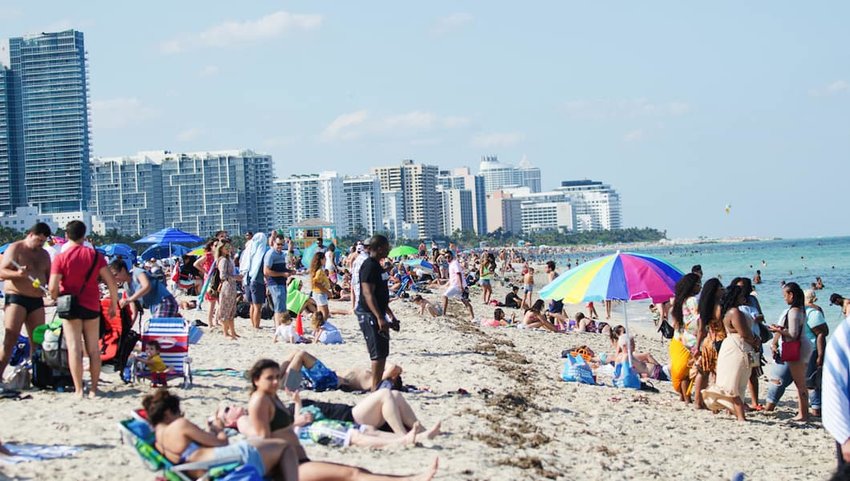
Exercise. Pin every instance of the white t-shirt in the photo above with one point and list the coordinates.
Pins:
(287, 333)
(355, 275)
(330, 265)
(330, 334)
(454, 270)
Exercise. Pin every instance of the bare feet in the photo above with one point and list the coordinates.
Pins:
(93, 394)
(799, 419)
(410, 437)
(429, 474)
(434, 431)
(78, 394)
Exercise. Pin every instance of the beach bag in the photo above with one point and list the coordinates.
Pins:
(625, 376)
(215, 282)
(54, 350)
(577, 370)
(243, 310)
(666, 329)
(790, 351)
(45, 377)
(20, 378)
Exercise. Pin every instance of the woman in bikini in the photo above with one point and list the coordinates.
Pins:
(269, 418)
(181, 441)
(534, 317)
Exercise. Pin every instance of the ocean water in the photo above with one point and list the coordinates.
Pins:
(797, 260)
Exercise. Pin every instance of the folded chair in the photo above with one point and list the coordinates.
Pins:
(172, 334)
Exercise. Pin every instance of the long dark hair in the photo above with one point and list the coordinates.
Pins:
(798, 299)
(158, 404)
(257, 370)
(732, 298)
(709, 300)
(687, 286)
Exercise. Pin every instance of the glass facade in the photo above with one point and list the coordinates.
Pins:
(6, 201)
(50, 106)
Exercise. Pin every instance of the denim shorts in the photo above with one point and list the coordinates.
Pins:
(321, 299)
(278, 297)
(247, 453)
(256, 293)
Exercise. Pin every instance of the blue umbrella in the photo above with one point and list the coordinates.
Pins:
(170, 235)
(161, 251)
(4, 247)
(122, 250)
(419, 264)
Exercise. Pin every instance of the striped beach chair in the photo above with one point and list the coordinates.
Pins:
(172, 334)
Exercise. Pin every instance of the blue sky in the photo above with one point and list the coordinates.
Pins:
(682, 108)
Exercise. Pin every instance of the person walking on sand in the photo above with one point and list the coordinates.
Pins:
(373, 307)
(75, 272)
(254, 280)
(274, 268)
(485, 278)
(24, 303)
(457, 286)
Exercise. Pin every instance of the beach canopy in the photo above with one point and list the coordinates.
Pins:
(198, 251)
(4, 247)
(162, 251)
(403, 251)
(170, 235)
(623, 276)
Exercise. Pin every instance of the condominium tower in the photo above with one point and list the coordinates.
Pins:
(418, 183)
(596, 205)
(46, 132)
(498, 175)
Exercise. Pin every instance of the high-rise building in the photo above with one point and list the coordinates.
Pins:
(7, 203)
(596, 205)
(462, 178)
(392, 212)
(201, 192)
(504, 212)
(363, 204)
(498, 175)
(310, 196)
(418, 184)
(127, 194)
(456, 210)
(47, 98)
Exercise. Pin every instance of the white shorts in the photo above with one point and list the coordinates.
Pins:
(321, 299)
(454, 292)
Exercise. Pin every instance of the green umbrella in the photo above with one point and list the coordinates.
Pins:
(403, 251)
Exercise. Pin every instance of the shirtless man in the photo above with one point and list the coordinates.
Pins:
(354, 379)
(24, 302)
(527, 287)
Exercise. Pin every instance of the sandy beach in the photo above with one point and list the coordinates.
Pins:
(518, 420)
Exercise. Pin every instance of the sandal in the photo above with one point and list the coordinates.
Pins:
(757, 407)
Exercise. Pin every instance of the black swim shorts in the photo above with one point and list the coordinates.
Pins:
(29, 303)
(377, 342)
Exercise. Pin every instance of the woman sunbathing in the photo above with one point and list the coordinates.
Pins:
(535, 318)
(323, 379)
(181, 441)
(269, 418)
(643, 362)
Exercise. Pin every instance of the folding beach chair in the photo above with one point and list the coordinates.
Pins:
(172, 334)
(139, 434)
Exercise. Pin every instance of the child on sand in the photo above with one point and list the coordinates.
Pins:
(286, 332)
(498, 319)
(155, 365)
(424, 304)
(324, 332)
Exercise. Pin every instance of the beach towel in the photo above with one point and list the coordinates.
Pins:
(21, 453)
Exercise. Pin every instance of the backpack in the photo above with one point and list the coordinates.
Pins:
(215, 281)
(243, 310)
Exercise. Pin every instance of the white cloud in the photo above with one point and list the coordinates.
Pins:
(189, 134)
(834, 88)
(635, 135)
(449, 23)
(120, 112)
(354, 125)
(624, 109)
(209, 71)
(498, 139)
(243, 32)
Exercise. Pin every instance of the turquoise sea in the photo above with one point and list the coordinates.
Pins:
(797, 260)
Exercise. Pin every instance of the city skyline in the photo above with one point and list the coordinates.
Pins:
(653, 99)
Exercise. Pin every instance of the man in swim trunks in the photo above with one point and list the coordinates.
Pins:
(354, 379)
(24, 302)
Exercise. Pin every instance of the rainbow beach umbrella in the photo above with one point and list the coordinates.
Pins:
(623, 276)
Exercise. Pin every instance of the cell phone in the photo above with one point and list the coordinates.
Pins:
(293, 380)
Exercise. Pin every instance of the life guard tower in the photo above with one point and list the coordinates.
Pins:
(307, 231)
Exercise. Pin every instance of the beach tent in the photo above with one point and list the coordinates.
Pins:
(622, 276)
(403, 251)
